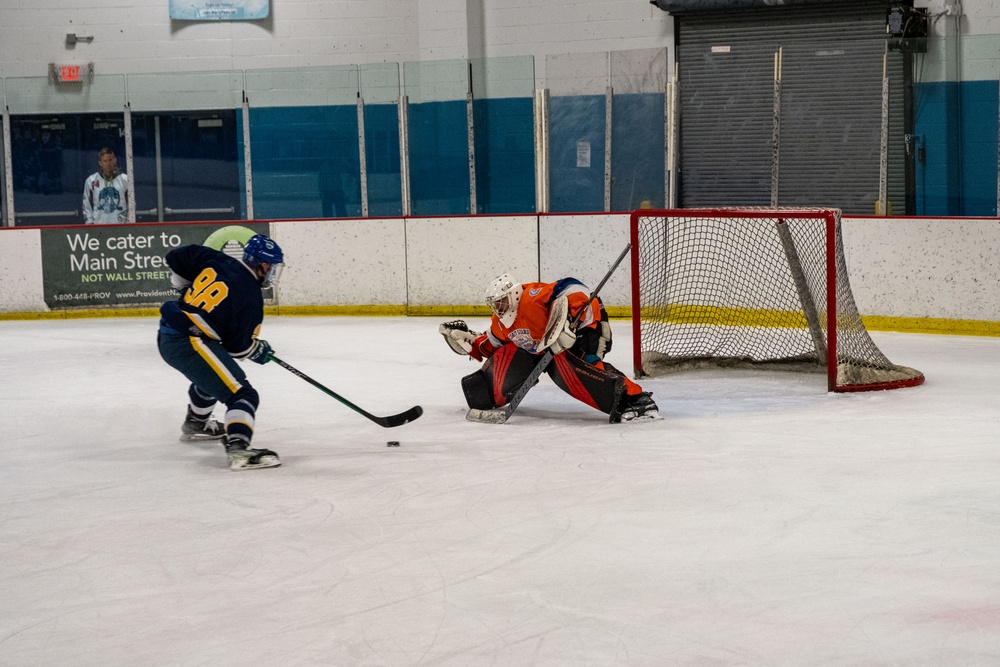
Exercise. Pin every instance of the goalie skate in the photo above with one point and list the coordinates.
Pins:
(197, 428)
(633, 408)
(242, 457)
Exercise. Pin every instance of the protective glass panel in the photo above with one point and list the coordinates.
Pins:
(831, 120)
(42, 95)
(186, 166)
(185, 91)
(3, 172)
(576, 74)
(304, 142)
(56, 131)
(577, 87)
(438, 137)
(51, 157)
(638, 155)
(954, 142)
(300, 87)
(503, 123)
(380, 91)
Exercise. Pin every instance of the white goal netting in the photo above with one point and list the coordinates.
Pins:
(763, 288)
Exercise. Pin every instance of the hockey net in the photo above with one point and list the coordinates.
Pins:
(759, 288)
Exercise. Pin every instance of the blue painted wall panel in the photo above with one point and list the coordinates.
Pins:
(638, 160)
(305, 162)
(956, 126)
(979, 148)
(382, 160)
(439, 158)
(505, 155)
(576, 177)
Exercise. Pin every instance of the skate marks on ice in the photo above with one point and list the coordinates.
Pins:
(762, 521)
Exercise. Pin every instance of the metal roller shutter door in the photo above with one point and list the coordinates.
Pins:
(830, 113)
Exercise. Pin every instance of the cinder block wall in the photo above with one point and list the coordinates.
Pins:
(137, 36)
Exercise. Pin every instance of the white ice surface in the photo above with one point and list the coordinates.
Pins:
(763, 521)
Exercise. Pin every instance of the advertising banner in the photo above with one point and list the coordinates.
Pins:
(96, 266)
(219, 10)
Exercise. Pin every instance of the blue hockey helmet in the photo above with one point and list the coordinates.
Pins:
(262, 249)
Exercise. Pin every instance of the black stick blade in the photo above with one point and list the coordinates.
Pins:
(400, 419)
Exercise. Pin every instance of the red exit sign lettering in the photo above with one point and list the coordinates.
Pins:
(69, 73)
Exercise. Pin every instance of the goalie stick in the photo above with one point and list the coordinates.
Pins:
(503, 413)
(387, 422)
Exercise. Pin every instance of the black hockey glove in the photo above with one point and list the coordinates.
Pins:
(260, 353)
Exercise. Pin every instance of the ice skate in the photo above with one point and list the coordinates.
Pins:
(201, 428)
(243, 457)
(639, 406)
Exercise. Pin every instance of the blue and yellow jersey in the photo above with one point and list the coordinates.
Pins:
(224, 301)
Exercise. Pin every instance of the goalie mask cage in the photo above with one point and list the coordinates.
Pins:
(751, 288)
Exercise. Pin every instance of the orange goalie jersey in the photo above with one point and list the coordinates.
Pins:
(528, 328)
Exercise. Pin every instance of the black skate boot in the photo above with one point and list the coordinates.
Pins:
(631, 408)
(201, 428)
(242, 457)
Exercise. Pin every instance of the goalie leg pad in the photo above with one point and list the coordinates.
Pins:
(510, 368)
(597, 387)
(476, 387)
(498, 379)
(631, 388)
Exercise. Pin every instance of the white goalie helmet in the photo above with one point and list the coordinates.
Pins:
(503, 296)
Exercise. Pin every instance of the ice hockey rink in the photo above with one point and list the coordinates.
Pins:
(762, 521)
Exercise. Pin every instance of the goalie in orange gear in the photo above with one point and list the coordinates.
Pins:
(529, 319)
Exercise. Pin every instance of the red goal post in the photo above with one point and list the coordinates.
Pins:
(751, 288)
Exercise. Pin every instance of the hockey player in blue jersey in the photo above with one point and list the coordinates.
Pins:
(216, 321)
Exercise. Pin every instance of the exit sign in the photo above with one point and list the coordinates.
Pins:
(69, 73)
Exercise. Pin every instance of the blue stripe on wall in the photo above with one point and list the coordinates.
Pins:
(505, 155)
(305, 162)
(439, 158)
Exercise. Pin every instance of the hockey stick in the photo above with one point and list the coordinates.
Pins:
(387, 422)
(503, 413)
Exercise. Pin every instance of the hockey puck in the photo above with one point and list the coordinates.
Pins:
(392, 443)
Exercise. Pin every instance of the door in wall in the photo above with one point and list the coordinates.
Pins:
(187, 166)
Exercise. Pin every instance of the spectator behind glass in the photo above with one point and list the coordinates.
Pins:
(105, 192)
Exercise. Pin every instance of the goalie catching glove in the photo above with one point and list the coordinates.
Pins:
(559, 336)
(456, 333)
(465, 342)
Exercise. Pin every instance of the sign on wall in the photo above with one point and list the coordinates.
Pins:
(97, 266)
(220, 10)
